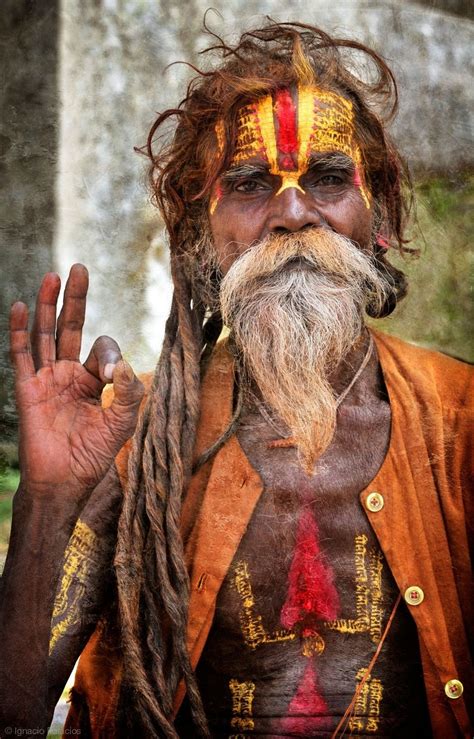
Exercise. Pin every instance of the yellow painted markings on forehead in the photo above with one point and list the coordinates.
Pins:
(331, 118)
(305, 124)
(325, 122)
(264, 111)
(257, 136)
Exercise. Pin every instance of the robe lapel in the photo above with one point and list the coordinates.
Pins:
(410, 526)
(219, 505)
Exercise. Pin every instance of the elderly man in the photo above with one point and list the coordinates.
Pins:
(282, 549)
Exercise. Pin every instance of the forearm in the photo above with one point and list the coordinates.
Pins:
(86, 581)
(39, 537)
(52, 594)
(54, 577)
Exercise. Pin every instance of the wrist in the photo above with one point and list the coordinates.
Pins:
(58, 503)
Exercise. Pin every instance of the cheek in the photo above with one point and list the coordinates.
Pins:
(365, 230)
(362, 231)
(233, 229)
(225, 242)
(216, 228)
(352, 219)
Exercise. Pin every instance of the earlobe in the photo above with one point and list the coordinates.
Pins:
(381, 242)
(397, 283)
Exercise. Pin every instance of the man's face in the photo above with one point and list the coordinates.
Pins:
(296, 165)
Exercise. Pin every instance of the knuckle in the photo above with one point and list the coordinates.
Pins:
(72, 324)
(135, 393)
(122, 423)
(139, 388)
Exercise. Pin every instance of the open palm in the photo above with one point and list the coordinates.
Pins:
(67, 439)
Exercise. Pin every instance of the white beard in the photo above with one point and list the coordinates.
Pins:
(293, 324)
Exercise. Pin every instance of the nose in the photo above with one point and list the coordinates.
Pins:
(292, 210)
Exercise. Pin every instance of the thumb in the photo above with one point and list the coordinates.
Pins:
(122, 414)
(128, 390)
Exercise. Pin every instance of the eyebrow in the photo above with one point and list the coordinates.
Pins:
(321, 160)
(331, 160)
(245, 170)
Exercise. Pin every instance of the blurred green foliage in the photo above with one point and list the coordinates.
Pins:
(439, 310)
(9, 480)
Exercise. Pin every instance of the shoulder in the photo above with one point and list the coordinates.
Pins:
(219, 365)
(452, 380)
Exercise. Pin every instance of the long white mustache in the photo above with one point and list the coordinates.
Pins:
(295, 306)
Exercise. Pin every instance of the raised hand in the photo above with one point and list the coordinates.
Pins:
(67, 440)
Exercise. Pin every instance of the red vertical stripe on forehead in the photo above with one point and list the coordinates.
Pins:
(287, 133)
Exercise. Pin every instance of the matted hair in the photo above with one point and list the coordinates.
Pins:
(152, 579)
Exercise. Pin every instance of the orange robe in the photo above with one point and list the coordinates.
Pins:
(422, 528)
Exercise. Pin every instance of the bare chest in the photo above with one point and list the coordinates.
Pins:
(304, 602)
(331, 494)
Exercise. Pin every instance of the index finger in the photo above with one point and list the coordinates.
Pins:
(43, 335)
(20, 350)
(71, 317)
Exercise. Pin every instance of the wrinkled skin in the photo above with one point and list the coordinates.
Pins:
(68, 443)
(67, 447)
(250, 209)
(67, 439)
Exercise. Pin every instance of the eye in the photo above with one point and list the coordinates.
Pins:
(325, 178)
(329, 179)
(249, 185)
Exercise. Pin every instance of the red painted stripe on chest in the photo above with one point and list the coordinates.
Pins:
(311, 591)
(307, 712)
(287, 131)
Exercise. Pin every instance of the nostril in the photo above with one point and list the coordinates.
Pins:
(287, 230)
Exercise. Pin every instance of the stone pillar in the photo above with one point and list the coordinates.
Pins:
(464, 8)
(113, 57)
(28, 145)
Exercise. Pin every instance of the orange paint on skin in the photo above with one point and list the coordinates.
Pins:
(216, 196)
(286, 132)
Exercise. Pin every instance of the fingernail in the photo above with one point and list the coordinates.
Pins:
(109, 370)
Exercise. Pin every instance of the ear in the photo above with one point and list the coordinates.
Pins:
(381, 243)
(397, 281)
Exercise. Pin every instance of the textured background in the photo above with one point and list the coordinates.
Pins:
(81, 83)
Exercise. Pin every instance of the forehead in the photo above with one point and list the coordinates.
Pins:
(287, 127)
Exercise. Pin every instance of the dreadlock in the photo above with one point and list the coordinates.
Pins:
(152, 579)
